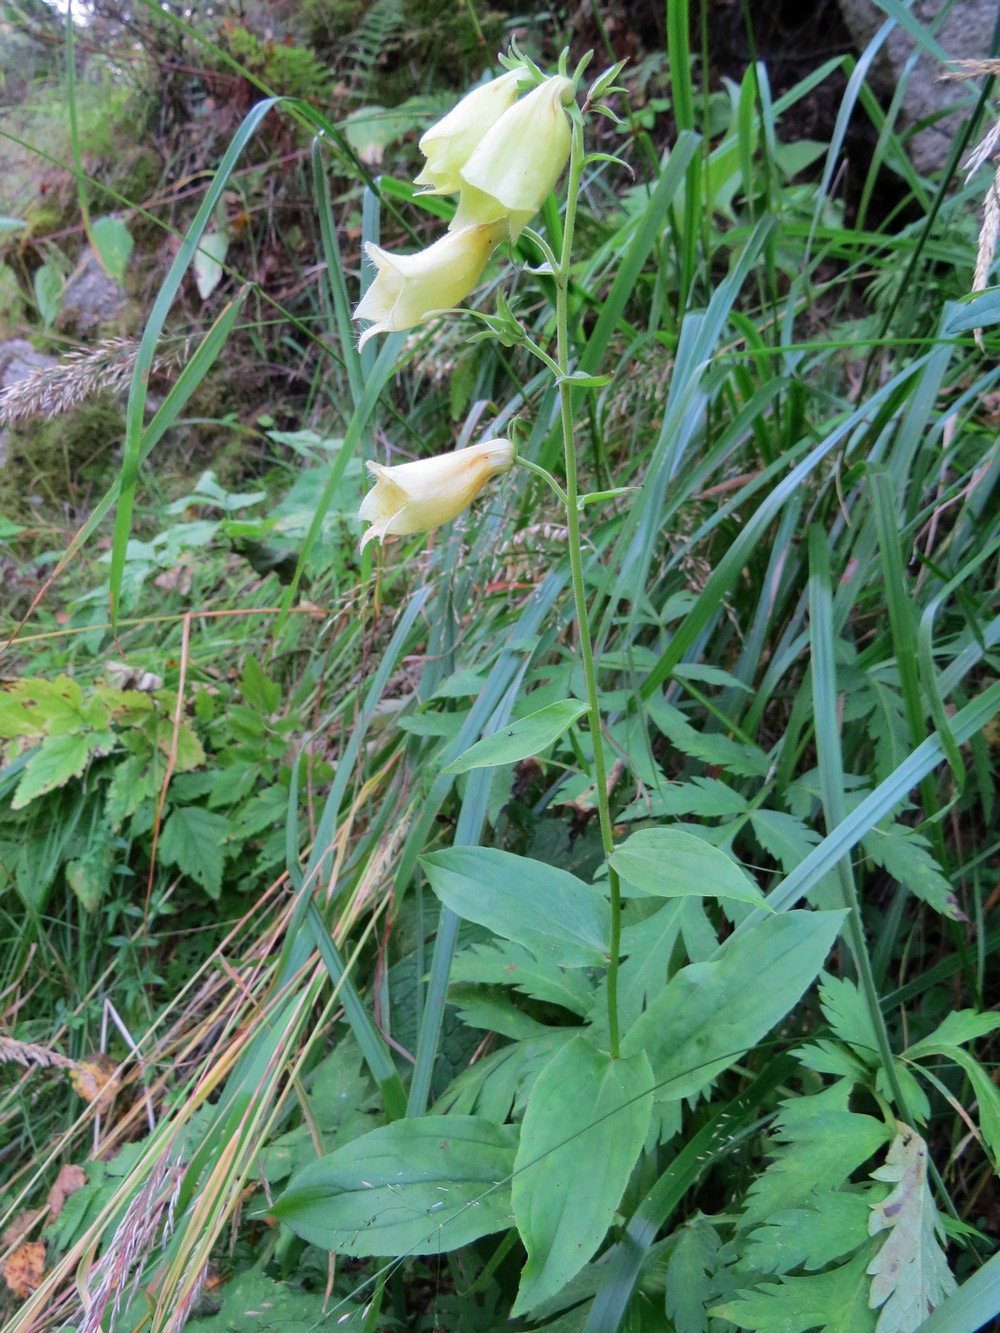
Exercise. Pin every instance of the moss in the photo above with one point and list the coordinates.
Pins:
(62, 460)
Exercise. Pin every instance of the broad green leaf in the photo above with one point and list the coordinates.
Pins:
(193, 840)
(509, 964)
(114, 243)
(710, 1014)
(419, 1186)
(527, 736)
(835, 1302)
(669, 863)
(583, 1130)
(56, 760)
(910, 1274)
(691, 1262)
(552, 913)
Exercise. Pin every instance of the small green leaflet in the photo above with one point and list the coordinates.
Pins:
(420, 1186)
(58, 759)
(834, 1302)
(527, 736)
(669, 863)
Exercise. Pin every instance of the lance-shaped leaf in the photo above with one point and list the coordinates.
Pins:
(528, 735)
(669, 863)
(419, 1186)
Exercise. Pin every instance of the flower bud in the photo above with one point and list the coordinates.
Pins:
(448, 144)
(415, 497)
(409, 288)
(518, 161)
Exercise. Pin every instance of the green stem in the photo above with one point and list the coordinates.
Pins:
(545, 475)
(575, 546)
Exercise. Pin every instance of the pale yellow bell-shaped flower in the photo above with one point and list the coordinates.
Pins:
(449, 144)
(409, 288)
(415, 497)
(518, 161)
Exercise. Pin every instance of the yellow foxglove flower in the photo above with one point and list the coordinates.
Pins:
(448, 144)
(409, 288)
(518, 161)
(415, 497)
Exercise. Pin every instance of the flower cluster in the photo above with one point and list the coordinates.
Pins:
(501, 153)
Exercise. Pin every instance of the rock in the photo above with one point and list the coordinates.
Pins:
(17, 360)
(91, 300)
(965, 34)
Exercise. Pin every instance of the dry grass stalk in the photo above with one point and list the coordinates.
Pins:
(51, 390)
(23, 1053)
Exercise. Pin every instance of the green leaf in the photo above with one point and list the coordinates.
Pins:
(584, 1108)
(783, 836)
(113, 242)
(910, 1274)
(908, 858)
(527, 736)
(846, 1012)
(810, 1237)
(193, 840)
(509, 964)
(692, 1260)
(56, 760)
(710, 1014)
(669, 863)
(959, 1027)
(48, 293)
(11, 224)
(208, 261)
(419, 1186)
(708, 798)
(835, 1302)
(552, 913)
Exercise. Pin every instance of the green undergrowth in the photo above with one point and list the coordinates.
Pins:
(308, 840)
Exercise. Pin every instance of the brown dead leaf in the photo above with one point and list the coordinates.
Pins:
(92, 1079)
(70, 1179)
(25, 1268)
(19, 1228)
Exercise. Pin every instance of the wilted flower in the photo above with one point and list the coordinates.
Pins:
(408, 288)
(415, 497)
(449, 144)
(518, 161)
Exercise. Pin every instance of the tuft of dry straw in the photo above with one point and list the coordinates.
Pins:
(50, 390)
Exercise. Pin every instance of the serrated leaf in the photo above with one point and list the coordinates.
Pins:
(710, 1014)
(810, 1238)
(845, 1010)
(508, 964)
(910, 1274)
(56, 761)
(557, 916)
(669, 863)
(908, 858)
(494, 1012)
(987, 1094)
(958, 1027)
(740, 758)
(817, 1145)
(835, 1302)
(688, 1289)
(584, 1107)
(193, 840)
(421, 1186)
(784, 837)
(527, 736)
(708, 798)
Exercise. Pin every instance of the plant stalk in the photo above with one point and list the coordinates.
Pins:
(575, 545)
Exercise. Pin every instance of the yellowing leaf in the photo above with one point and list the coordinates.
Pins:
(910, 1274)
